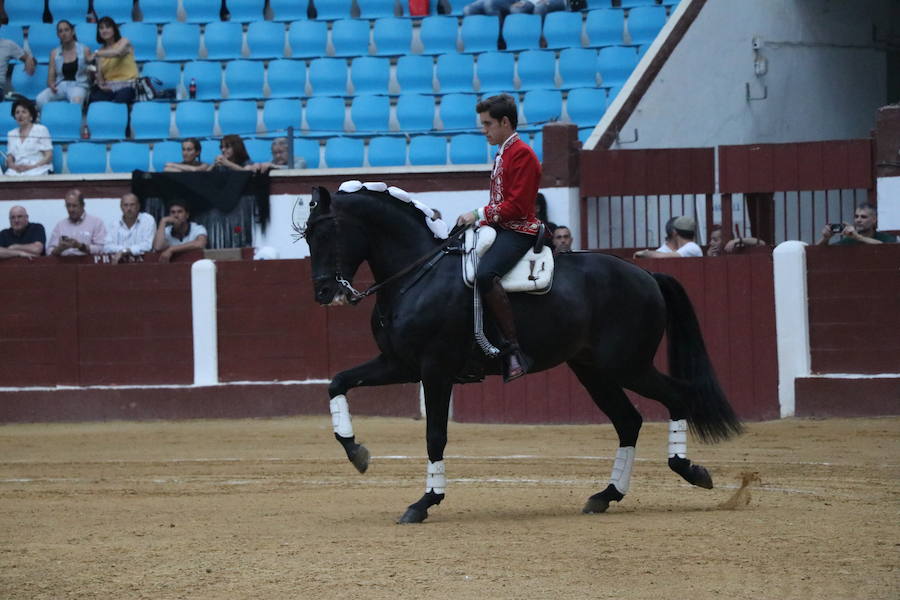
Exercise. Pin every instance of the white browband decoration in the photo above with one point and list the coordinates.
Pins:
(436, 481)
(437, 226)
(340, 416)
(678, 438)
(621, 472)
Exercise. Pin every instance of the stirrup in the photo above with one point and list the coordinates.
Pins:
(514, 354)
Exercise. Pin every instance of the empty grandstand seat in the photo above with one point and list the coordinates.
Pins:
(468, 149)
(375, 9)
(164, 152)
(223, 40)
(125, 157)
(180, 41)
(41, 40)
(456, 7)
(159, 11)
(258, 150)
(24, 12)
(6, 119)
(370, 75)
(438, 34)
(585, 106)
(584, 133)
(208, 75)
(325, 115)
(195, 119)
(605, 27)
(209, 150)
(415, 73)
(541, 106)
(328, 76)
(537, 144)
(350, 37)
(150, 120)
(266, 39)
(415, 112)
(14, 33)
(428, 150)
(288, 10)
(387, 151)
(63, 119)
(562, 29)
(29, 85)
(342, 152)
(286, 78)
(522, 31)
(281, 113)
(644, 23)
(167, 72)
(86, 157)
(309, 150)
(244, 78)
(615, 65)
(633, 3)
(455, 72)
(537, 69)
(58, 157)
(70, 10)
(107, 120)
(458, 111)
(479, 33)
(331, 10)
(496, 72)
(143, 37)
(578, 67)
(371, 113)
(117, 10)
(246, 11)
(392, 36)
(308, 39)
(237, 116)
(202, 11)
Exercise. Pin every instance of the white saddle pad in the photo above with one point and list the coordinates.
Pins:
(532, 274)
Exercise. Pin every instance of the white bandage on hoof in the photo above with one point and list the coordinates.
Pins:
(621, 472)
(340, 416)
(435, 481)
(678, 438)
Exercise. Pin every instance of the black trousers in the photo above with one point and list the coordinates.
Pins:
(508, 248)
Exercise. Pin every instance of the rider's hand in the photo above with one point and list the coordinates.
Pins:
(466, 219)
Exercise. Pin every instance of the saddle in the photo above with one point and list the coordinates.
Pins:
(532, 274)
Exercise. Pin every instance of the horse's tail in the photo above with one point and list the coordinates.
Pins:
(710, 417)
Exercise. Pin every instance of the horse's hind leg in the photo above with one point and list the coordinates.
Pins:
(609, 397)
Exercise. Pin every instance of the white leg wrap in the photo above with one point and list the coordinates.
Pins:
(678, 438)
(621, 472)
(340, 416)
(435, 481)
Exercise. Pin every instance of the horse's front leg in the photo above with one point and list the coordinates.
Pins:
(379, 371)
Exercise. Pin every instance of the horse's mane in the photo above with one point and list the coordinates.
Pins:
(386, 195)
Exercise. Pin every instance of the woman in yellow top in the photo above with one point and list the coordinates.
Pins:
(116, 68)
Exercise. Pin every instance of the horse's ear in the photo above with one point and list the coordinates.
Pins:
(321, 200)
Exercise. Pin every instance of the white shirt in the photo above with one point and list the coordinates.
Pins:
(195, 231)
(138, 239)
(690, 249)
(29, 150)
(664, 248)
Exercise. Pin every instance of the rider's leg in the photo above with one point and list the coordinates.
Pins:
(497, 302)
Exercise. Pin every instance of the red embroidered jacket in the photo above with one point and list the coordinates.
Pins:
(514, 188)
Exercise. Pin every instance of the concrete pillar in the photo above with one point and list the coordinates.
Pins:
(203, 305)
(791, 320)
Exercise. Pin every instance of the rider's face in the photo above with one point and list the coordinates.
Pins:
(495, 131)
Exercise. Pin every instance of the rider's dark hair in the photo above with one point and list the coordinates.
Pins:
(498, 107)
(670, 228)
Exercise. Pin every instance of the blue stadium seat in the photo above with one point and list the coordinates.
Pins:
(458, 112)
(223, 40)
(117, 10)
(325, 115)
(208, 75)
(586, 105)
(644, 23)
(180, 41)
(371, 113)
(29, 85)
(415, 73)
(14, 33)
(143, 37)
(537, 70)
(541, 106)
(246, 11)
(342, 152)
(107, 120)
(375, 9)
(415, 112)
(468, 149)
(578, 67)
(428, 150)
(328, 76)
(387, 151)
(58, 157)
(584, 133)
(522, 31)
(195, 119)
(266, 39)
(167, 72)
(562, 29)
(63, 119)
(309, 150)
(237, 116)
(308, 39)
(202, 11)
(331, 10)
(7, 122)
(286, 78)
(41, 40)
(159, 11)
(537, 144)
(125, 157)
(439, 34)
(164, 152)
(244, 78)
(258, 150)
(350, 37)
(615, 65)
(73, 11)
(150, 120)
(86, 157)
(393, 37)
(605, 27)
(455, 73)
(456, 7)
(281, 113)
(288, 10)
(479, 33)
(633, 3)
(496, 72)
(370, 75)
(209, 150)
(24, 12)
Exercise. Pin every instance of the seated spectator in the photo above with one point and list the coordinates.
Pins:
(538, 7)
(80, 233)
(11, 50)
(281, 154)
(562, 240)
(668, 244)
(177, 233)
(67, 77)
(116, 67)
(22, 239)
(234, 155)
(716, 247)
(739, 243)
(682, 240)
(29, 149)
(488, 7)
(132, 235)
(190, 159)
(863, 231)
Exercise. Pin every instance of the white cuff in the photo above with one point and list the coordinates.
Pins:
(678, 438)
(340, 416)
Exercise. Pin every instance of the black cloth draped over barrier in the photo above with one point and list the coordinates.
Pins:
(227, 203)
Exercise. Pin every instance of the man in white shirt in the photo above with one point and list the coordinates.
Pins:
(132, 235)
(682, 242)
(176, 233)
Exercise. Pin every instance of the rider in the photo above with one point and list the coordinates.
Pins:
(511, 211)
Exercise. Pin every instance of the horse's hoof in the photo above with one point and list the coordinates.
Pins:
(413, 515)
(701, 477)
(360, 458)
(595, 504)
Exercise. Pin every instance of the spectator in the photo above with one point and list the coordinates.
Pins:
(538, 7)
(280, 155)
(22, 239)
(739, 243)
(682, 240)
(562, 240)
(190, 158)
(863, 231)
(116, 68)
(715, 248)
(234, 155)
(67, 78)
(177, 233)
(668, 244)
(29, 147)
(80, 233)
(11, 50)
(488, 7)
(132, 235)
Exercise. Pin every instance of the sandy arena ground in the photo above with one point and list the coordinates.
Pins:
(270, 509)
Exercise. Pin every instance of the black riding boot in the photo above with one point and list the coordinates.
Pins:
(514, 362)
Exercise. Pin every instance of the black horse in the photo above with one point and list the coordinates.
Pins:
(604, 317)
